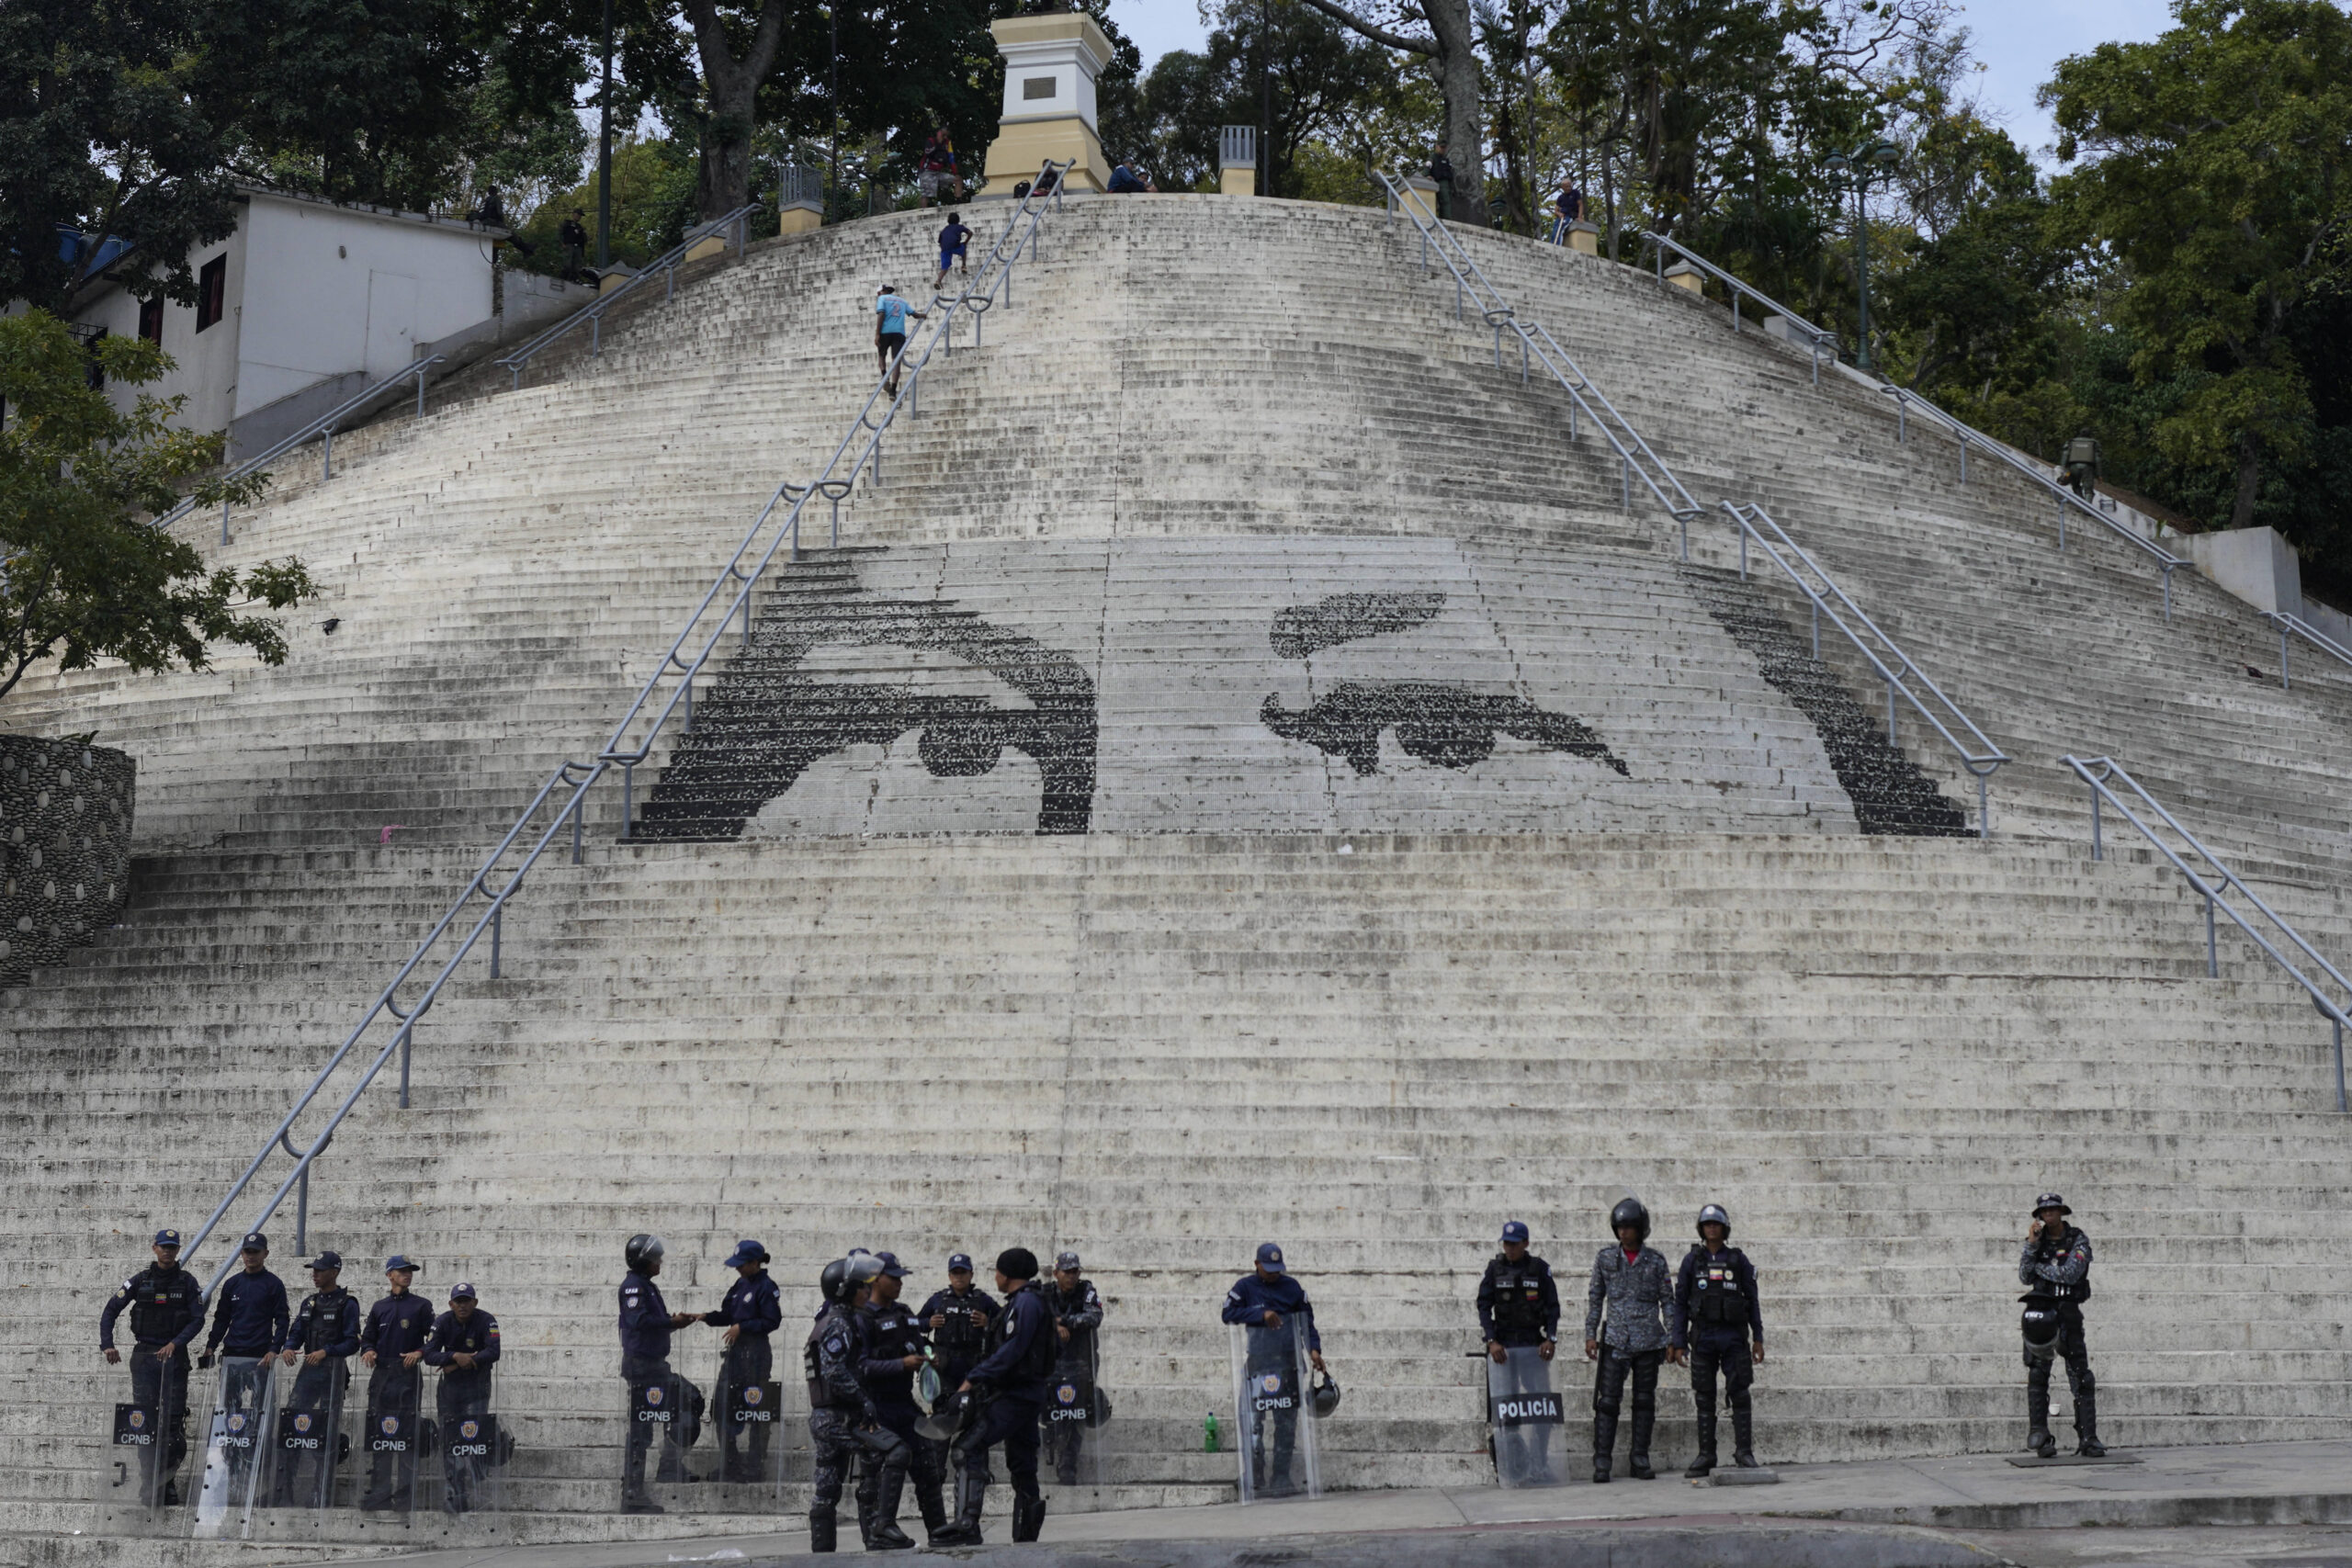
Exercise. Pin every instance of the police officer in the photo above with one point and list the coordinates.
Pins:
(1519, 1309)
(1078, 1313)
(1629, 1280)
(166, 1309)
(896, 1350)
(464, 1345)
(843, 1420)
(391, 1344)
(750, 1311)
(1265, 1300)
(958, 1318)
(320, 1341)
(645, 1324)
(1005, 1402)
(1716, 1314)
(248, 1316)
(2055, 1268)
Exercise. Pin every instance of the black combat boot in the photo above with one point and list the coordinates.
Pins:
(2086, 1421)
(971, 1492)
(883, 1534)
(1743, 1437)
(1604, 1443)
(1028, 1518)
(820, 1529)
(935, 1510)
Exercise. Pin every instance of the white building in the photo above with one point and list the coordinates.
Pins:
(304, 305)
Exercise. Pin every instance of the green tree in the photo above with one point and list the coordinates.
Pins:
(1317, 75)
(2217, 157)
(81, 576)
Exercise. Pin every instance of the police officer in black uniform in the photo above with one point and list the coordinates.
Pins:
(2055, 1269)
(843, 1420)
(646, 1321)
(391, 1344)
(751, 1312)
(1005, 1404)
(319, 1343)
(896, 1350)
(1716, 1317)
(166, 1309)
(248, 1316)
(464, 1345)
(1518, 1308)
(1078, 1318)
(958, 1318)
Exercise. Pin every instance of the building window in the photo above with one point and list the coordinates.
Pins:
(211, 290)
(1034, 87)
(90, 337)
(151, 320)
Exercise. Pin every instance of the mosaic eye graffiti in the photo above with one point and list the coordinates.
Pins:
(1450, 725)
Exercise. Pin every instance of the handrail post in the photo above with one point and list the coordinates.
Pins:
(579, 807)
(420, 394)
(1816, 631)
(1890, 713)
(2286, 681)
(2212, 962)
(327, 452)
(497, 931)
(2097, 852)
(629, 800)
(408, 1038)
(2340, 1106)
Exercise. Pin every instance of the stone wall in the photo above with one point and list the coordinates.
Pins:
(66, 811)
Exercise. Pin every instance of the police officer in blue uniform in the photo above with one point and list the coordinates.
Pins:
(464, 1345)
(1519, 1309)
(843, 1420)
(1716, 1315)
(646, 1321)
(896, 1350)
(320, 1342)
(1077, 1307)
(248, 1316)
(391, 1344)
(1265, 1300)
(958, 1318)
(166, 1309)
(751, 1312)
(1006, 1403)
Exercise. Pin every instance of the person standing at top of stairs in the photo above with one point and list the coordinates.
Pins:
(1632, 1284)
(166, 1309)
(2055, 1265)
(1716, 1314)
(391, 1345)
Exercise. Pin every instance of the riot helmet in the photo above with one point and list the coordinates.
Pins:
(642, 1250)
(1712, 1215)
(843, 1276)
(1323, 1389)
(1630, 1212)
(2040, 1326)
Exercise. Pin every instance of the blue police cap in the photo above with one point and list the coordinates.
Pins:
(1514, 1230)
(891, 1266)
(167, 1238)
(255, 1242)
(398, 1260)
(463, 1291)
(959, 1263)
(328, 1259)
(1270, 1258)
(746, 1251)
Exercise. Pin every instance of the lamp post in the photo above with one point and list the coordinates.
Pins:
(1854, 171)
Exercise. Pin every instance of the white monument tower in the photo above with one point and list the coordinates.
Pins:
(1050, 64)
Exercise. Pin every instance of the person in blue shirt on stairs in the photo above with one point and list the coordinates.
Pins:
(890, 313)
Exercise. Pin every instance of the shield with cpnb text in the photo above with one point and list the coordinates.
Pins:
(1273, 1422)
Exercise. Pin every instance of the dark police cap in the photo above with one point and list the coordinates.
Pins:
(1270, 1258)
(167, 1238)
(747, 1251)
(255, 1242)
(891, 1266)
(1514, 1230)
(328, 1259)
(399, 1260)
(463, 1291)
(1017, 1263)
(959, 1263)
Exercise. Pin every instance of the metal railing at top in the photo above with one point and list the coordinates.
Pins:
(2101, 774)
(1903, 676)
(560, 802)
(1820, 337)
(1472, 287)
(1967, 435)
(324, 427)
(2292, 625)
(592, 314)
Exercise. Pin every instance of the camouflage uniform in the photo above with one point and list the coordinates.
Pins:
(1633, 1341)
(2060, 1264)
(844, 1422)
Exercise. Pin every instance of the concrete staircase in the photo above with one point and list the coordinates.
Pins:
(1226, 462)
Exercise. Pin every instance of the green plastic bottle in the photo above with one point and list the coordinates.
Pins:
(1208, 1434)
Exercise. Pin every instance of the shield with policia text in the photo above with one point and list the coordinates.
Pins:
(1274, 1420)
(236, 1447)
(1523, 1415)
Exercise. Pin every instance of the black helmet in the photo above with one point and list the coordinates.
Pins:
(642, 1249)
(1324, 1390)
(2040, 1322)
(1629, 1211)
(1712, 1215)
(843, 1276)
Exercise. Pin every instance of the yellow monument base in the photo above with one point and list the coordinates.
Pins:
(1682, 274)
(1421, 195)
(1021, 148)
(798, 221)
(709, 245)
(1584, 237)
(1237, 182)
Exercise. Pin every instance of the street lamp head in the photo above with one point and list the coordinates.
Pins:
(1835, 162)
(1886, 154)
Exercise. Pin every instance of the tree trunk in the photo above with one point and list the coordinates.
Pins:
(723, 178)
(2249, 481)
(1457, 74)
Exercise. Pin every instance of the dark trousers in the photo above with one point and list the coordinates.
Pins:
(2076, 1351)
(747, 1363)
(245, 1390)
(839, 1438)
(926, 1464)
(1608, 1393)
(1270, 1461)
(1066, 1440)
(642, 1373)
(1013, 1422)
(162, 1386)
(396, 1391)
(1729, 1354)
(458, 1398)
(306, 1476)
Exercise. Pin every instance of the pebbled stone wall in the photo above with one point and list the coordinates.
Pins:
(66, 811)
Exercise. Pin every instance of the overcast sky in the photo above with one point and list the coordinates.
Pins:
(2019, 40)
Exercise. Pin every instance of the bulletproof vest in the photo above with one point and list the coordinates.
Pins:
(959, 1337)
(1058, 1302)
(1716, 1299)
(160, 1305)
(1519, 1294)
(1038, 1364)
(2077, 1292)
(821, 1395)
(321, 1318)
(896, 1331)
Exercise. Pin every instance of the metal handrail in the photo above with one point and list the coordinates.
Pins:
(2215, 895)
(1472, 286)
(324, 426)
(666, 264)
(561, 800)
(1660, 244)
(1905, 398)
(2295, 625)
(1982, 760)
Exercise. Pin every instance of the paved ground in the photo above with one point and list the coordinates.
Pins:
(2274, 1505)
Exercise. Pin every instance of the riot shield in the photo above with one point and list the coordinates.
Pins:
(1271, 1418)
(755, 1424)
(309, 1447)
(1076, 1416)
(236, 1447)
(150, 1431)
(662, 1413)
(461, 1466)
(1521, 1414)
(392, 1438)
